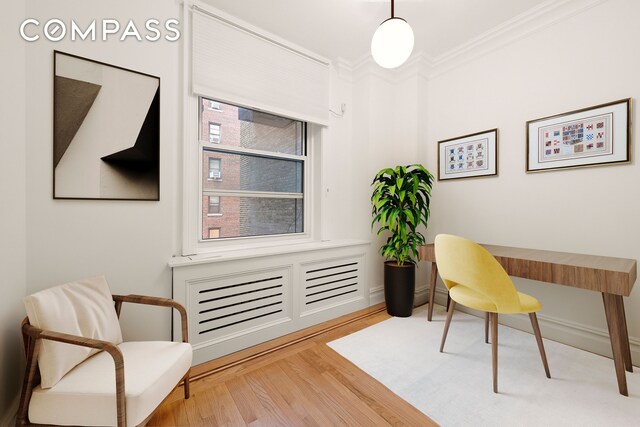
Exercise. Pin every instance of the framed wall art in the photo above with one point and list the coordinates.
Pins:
(468, 156)
(594, 136)
(106, 131)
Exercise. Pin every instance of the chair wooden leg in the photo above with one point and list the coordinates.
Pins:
(536, 331)
(22, 418)
(494, 349)
(486, 327)
(452, 306)
(432, 290)
(187, 393)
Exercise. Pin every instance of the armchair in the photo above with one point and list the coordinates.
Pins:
(98, 390)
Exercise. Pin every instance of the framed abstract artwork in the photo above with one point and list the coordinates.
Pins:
(594, 136)
(468, 156)
(106, 131)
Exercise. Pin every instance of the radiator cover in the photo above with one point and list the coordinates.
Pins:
(234, 304)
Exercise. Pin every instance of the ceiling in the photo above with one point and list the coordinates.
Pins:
(343, 28)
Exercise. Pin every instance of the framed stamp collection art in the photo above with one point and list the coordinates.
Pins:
(598, 135)
(468, 156)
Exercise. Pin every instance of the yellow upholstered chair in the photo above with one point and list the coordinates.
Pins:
(476, 280)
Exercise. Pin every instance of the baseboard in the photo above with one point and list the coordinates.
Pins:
(9, 417)
(376, 295)
(584, 337)
(421, 295)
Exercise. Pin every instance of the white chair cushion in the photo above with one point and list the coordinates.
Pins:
(83, 308)
(87, 394)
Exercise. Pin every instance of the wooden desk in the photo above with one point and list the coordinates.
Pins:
(613, 277)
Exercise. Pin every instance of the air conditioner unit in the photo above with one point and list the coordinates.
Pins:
(215, 175)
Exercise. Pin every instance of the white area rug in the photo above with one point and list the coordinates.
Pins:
(454, 388)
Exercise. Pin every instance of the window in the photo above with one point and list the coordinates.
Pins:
(214, 205)
(214, 132)
(214, 233)
(214, 105)
(215, 170)
(263, 187)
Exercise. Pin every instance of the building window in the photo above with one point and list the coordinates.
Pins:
(214, 132)
(263, 187)
(215, 168)
(214, 233)
(214, 205)
(214, 105)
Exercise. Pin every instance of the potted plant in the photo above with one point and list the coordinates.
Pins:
(400, 200)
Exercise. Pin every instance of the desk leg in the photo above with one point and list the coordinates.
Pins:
(626, 349)
(432, 289)
(615, 319)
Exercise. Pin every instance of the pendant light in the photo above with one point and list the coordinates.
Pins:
(392, 42)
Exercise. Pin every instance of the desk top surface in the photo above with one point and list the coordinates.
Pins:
(598, 273)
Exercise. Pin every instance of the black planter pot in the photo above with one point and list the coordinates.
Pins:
(399, 288)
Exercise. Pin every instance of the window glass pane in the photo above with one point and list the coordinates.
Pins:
(255, 216)
(214, 132)
(253, 173)
(252, 129)
(215, 166)
(214, 204)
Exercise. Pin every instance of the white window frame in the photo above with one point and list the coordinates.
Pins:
(314, 214)
(214, 105)
(193, 243)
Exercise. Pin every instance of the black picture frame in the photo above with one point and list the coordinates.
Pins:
(106, 131)
(474, 155)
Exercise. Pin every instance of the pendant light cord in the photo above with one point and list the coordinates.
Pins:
(392, 9)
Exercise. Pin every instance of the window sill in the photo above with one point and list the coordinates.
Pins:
(209, 215)
(231, 254)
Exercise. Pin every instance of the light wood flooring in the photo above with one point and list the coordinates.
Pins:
(303, 384)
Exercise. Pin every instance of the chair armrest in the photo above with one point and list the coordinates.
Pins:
(112, 349)
(37, 333)
(157, 301)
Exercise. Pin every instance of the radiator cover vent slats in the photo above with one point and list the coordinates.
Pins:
(228, 305)
(331, 282)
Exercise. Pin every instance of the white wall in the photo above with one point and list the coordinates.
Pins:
(13, 205)
(386, 132)
(128, 241)
(559, 68)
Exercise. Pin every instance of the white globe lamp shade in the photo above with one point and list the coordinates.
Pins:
(392, 43)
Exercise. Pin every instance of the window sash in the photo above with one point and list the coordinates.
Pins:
(203, 245)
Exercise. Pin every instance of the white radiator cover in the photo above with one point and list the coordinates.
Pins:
(234, 304)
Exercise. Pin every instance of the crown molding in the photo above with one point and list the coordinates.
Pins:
(425, 66)
(417, 65)
(344, 69)
(529, 22)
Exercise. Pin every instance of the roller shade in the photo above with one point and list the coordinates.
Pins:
(240, 65)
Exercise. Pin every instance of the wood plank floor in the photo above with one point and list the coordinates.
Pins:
(305, 384)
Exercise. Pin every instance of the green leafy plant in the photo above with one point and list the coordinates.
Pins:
(400, 201)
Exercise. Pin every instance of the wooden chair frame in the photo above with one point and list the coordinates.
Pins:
(32, 337)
